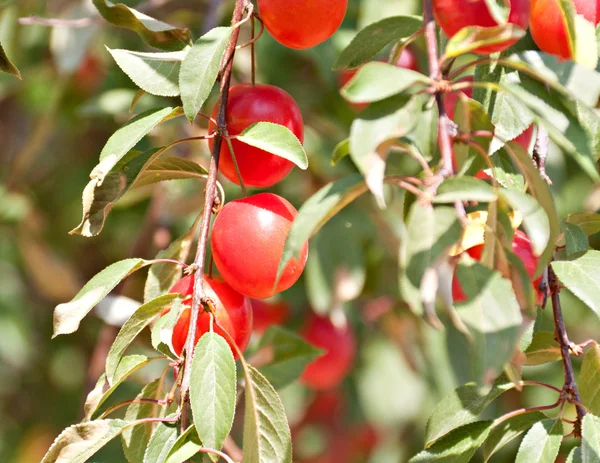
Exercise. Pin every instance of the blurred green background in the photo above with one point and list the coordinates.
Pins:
(53, 125)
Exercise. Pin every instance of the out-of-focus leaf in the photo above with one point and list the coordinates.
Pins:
(535, 219)
(155, 73)
(589, 380)
(581, 276)
(575, 239)
(68, 315)
(288, 356)
(543, 349)
(471, 116)
(457, 447)
(541, 443)
(213, 389)
(275, 139)
(341, 150)
(116, 310)
(464, 189)
(200, 68)
(161, 443)
(586, 47)
(575, 456)
(460, 407)
(590, 439)
(79, 442)
(589, 222)
(373, 38)
(471, 38)
(509, 430)
(162, 330)
(6, 66)
(14, 207)
(155, 33)
(169, 168)
(186, 446)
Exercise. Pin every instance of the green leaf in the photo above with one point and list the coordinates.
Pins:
(162, 331)
(567, 16)
(470, 115)
(543, 349)
(6, 66)
(509, 430)
(267, 436)
(377, 81)
(213, 389)
(575, 456)
(581, 276)
(469, 39)
(341, 150)
(275, 139)
(460, 407)
(289, 355)
(200, 68)
(102, 391)
(155, 33)
(68, 315)
(316, 211)
(457, 447)
(589, 222)
(575, 239)
(132, 327)
(155, 73)
(541, 443)
(161, 443)
(186, 446)
(464, 189)
(373, 38)
(590, 439)
(169, 168)
(79, 442)
(589, 380)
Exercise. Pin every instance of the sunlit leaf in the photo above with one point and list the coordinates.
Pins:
(543, 349)
(341, 150)
(464, 189)
(589, 380)
(185, 447)
(169, 168)
(161, 443)
(469, 39)
(582, 277)
(590, 439)
(6, 66)
(541, 443)
(509, 430)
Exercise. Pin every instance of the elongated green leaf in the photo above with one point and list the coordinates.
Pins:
(341, 150)
(509, 430)
(138, 321)
(464, 189)
(543, 349)
(155, 73)
(185, 447)
(541, 443)
(373, 38)
(161, 443)
(275, 139)
(79, 442)
(567, 18)
(127, 366)
(6, 66)
(267, 437)
(590, 439)
(162, 331)
(575, 239)
(469, 39)
(582, 277)
(68, 315)
(589, 380)
(457, 447)
(169, 168)
(289, 355)
(200, 68)
(460, 407)
(212, 389)
(535, 219)
(589, 222)
(377, 81)
(575, 456)
(155, 33)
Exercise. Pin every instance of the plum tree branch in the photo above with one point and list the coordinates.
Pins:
(199, 296)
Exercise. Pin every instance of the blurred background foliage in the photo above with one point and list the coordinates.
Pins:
(53, 125)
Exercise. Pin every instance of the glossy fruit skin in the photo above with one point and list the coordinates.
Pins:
(233, 312)
(453, 15)
(548, 27)
(267, 314)
(339, 344)
(247, 243)
(302, 24)
(523, 249)
(248, 105)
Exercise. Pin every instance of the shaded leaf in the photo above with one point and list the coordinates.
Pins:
(464, 189)
(169, 168)
(590, 439)
(589, 380)
(589, 222)
(6, 66)
(575, 239)
(541, 443)
(341, 150)
(161, 442)
(575, 456)
(185, 447)
(509, 430)
(582, 277)
(543, 349)
(469, 39)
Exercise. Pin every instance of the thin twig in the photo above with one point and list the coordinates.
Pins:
(522, 411)
(540, 152)
(224, 456)
(199, 296)
(230, 446)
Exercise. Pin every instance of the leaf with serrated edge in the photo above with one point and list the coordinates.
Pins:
(79, 442)
(509, 430)
(186, 446)
(541, 443)
(213, 389)
(200, 68)
(155, 73)
(373, 38)
(590, 439)
(581, 276)
(461, 407)
(589, 380)
(543, 349)
(161, 442)
(575, 456)
(132, 327)
(275, 139)
(6, 66)
(267, 437)
(68, 315)
(457, 447)
(169, 168)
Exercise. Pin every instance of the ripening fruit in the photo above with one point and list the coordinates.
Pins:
(232, 310)
(548, 28)
(267, 313)
(453, 15)
(339, 345)
(522, 248)
(247, 243)
(248, 105)
(302, 23)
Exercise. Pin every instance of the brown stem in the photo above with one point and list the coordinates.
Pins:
(211, 189)
(540, 152)
(522, 411)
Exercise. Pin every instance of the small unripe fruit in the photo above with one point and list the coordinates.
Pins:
(247, 242)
